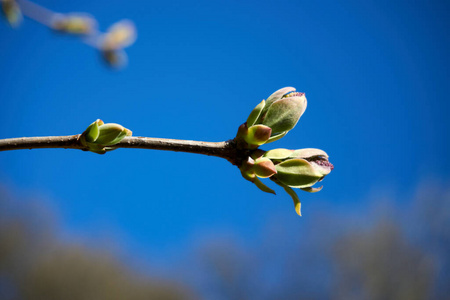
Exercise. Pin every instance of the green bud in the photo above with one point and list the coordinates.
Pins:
(283, 114)
(111, 133)
(12, 12)
(300, 168)
(100, 137)
(92, 132)
(298, 173)
(280, 112)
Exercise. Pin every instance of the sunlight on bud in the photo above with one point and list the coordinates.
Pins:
(280, 113)
(100, 137)
(289, 169)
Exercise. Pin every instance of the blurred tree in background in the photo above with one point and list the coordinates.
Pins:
(382, 264)
(35, 265)
(391, 254)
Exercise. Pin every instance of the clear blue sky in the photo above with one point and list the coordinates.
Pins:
(375, 73)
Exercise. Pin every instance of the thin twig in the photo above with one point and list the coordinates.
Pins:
(46, 17)
(36, 12)
(225, 150)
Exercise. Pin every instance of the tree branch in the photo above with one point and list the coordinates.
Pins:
(225, 149)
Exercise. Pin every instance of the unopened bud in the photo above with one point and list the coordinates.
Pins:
(264, 168)
(111, 133)
(280, 112)
(92, 132)
(100, 137)
(257, 135)
(301, 168)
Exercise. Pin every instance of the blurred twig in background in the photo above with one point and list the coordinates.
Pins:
(110, 44)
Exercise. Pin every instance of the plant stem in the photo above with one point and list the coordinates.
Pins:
(225, 149)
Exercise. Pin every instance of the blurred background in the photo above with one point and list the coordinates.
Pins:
(142, 224)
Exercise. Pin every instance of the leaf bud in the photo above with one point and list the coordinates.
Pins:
(100, 137)
(300, 168)
(280, 112)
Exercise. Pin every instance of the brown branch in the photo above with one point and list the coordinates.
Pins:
(225, 150)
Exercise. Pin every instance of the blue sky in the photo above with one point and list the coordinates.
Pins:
(375, 73)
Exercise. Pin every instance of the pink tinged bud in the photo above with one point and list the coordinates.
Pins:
(257, 135)
(247, 166)
(249, 170)
(322, 166)
(264, 168)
